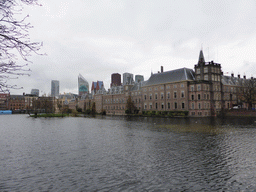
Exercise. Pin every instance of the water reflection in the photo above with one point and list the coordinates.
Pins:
(127, 154)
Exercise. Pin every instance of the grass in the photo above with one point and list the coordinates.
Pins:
(50, 115)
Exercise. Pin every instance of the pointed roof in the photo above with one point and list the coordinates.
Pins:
(201, 56)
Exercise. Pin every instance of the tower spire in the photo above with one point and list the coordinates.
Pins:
(201, 56)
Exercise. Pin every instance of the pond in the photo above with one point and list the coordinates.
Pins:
(127, 154)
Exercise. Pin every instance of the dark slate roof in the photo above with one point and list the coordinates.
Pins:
(183, 74)
(229, 80)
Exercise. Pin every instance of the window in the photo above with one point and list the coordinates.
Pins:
(206, 77)
(205, 69)
(150, 105)
(182, 85)
(168, 95)
(192, 88)
(156, 88)
(175, 94)
(162, 87)
(169, 105)
(193, 106)
(145, 97)
(199, 105)
(198, 71)
(198, 87)
(150, 96)
(183, 105)
(155, 95)
(192, 97)
(198, 96)
(145, 106)
(162, 105)
(174, 86)
(162, 95)
(182, 94)
(156, 105)
(175, 105)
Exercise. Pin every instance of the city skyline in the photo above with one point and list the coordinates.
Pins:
(97, 39)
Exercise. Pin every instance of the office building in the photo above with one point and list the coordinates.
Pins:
(55, 88)
(83, 86)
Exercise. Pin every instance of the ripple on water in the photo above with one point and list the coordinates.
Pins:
(118, 154)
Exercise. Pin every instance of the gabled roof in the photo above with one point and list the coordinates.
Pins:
(183, 74)
(100, 83)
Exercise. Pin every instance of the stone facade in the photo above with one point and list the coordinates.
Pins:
(204, 91)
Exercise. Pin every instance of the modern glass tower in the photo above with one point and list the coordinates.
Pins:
(55, 88)
(83, 86)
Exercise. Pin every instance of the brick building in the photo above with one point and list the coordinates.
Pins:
(202, 91)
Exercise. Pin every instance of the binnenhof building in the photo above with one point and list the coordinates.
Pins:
(202, 91)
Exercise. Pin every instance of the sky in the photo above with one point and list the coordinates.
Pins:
(99, 37)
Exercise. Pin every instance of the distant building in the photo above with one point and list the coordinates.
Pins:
(35, 92)
(16, 102)
(55, 88)
(115, 79)
(128, 79)
(96, 86)
(4, 101)
(139, 78)
(83, 86)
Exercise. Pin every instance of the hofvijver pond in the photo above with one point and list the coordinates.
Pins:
(127, 154)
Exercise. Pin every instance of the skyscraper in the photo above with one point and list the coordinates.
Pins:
(115, 79)
(128, 79)
(55, 88)
(83, 85)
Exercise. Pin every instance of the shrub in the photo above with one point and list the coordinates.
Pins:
(79, 110)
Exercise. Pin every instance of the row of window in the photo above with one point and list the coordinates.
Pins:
(199, 88)
(206, 97)
(161, 105)
(114, 107)
(213, 70)
(115, 101)
(199, 106)
(182, 95)
(162, 87)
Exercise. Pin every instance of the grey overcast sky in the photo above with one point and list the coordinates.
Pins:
(99, 37)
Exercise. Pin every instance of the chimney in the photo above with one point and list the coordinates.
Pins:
(244, 76)
(162, 69)
(238, 76)
(232, 74)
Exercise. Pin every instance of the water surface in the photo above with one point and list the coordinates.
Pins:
(127, 154)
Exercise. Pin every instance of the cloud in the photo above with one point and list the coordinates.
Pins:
(98, 38)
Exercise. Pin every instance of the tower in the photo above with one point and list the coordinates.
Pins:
(115, 79)
(83, 85)
(55, 88)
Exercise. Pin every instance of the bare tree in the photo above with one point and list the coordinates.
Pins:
(247, 93)
(14, 41)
